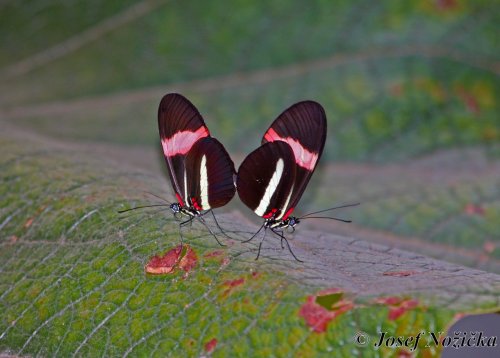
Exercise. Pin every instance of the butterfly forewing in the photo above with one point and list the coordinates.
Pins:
(209, 173)
(181, 126)
(303, 127)
(265, 179)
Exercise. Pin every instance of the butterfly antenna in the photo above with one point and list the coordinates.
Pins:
(141, 207)
(287, 244)
(330, 218)
(210, 230)
(158, 197)
(336, 207)
(151, 213)
(250, 239)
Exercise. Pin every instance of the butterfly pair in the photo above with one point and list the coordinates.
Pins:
(271, 179)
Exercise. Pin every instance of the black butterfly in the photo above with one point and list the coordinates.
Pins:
(272, 179)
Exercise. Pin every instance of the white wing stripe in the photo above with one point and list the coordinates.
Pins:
(204, 184)
(283, 209)
(271, 188)
(186, 187)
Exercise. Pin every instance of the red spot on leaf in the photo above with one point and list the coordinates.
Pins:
(403, 353)
(317, 316)
(28, 223)
(473, 209)
(215, 253)
(231, 284)
(210, 345)
(489, 246)
(189, 260)
(396, 90)
(389, 301)
(256, 274)
(234, 283)
(397, 305)
(446, 4)
(181, 256)
(400, 273)
(469, 101)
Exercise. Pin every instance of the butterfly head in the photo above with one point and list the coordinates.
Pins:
(176, 208)
(292, 221)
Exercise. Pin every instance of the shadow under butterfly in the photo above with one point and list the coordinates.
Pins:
(272, 179)
(199, 167)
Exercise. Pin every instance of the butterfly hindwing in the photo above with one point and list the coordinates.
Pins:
(209, 175)
(303, 127)
(181, 126)
(265, 179)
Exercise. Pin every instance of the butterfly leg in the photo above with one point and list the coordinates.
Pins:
(210, 230)
(250, 239)
(219, 227)
(280, 233)
(185, 222)
(287, 244)
(260, 244)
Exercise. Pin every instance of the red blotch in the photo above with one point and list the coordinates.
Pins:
(489, 246)
(403, 353)
(397, 306)
(234, 283)
(215, 253)
(446, 4)
(472, 209)
(189, 260)
(231, 284)
(28, 223)
(225, 261)
(389, 301)
(210, 345)
(318, 317)
(400, 273)
(256, 274)
(396, 90)
(181, 256)
(469, 100)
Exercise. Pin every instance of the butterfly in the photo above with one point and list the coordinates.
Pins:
(200, 169)
(272, 178)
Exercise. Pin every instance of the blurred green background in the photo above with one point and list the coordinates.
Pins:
(410, 89)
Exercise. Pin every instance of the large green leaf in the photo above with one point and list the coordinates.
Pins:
(73, 282)
(410, 89)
